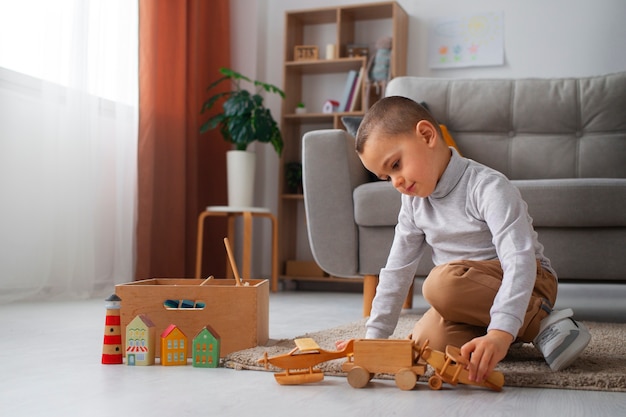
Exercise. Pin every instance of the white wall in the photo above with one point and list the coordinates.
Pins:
(543, 38)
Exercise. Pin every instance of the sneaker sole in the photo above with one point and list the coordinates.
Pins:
(574, 350)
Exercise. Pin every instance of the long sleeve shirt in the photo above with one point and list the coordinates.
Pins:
(475, 213)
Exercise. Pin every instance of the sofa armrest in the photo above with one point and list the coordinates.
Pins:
(331, 170)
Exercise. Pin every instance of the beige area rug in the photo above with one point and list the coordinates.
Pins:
(601, 367)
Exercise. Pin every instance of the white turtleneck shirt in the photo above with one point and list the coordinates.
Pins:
(475, 213)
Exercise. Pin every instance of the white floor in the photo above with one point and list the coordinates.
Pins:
(50, 366)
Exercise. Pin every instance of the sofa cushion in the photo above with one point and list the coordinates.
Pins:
(585, 253)
(376, 204)
(532, 128)
(374, 246)
(576, 202)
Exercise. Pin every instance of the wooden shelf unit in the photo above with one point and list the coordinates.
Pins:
(347, 22)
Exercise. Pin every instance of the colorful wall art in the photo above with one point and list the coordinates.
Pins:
(467, 41)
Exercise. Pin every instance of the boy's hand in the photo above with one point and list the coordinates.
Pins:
(341, 344)
(484, 353)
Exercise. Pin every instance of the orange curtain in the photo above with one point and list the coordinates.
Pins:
(181, 46)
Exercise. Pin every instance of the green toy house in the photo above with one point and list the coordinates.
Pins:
(206, 348)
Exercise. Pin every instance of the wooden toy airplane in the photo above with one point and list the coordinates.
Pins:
(451, 368)
(299, 362)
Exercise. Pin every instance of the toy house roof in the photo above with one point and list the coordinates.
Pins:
(210, 330)
(144, 318)
(170, 329)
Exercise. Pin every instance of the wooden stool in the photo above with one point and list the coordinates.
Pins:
(247, 213)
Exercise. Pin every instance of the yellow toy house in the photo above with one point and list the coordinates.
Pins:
(206, 348)
(173, 346)
(140, 341)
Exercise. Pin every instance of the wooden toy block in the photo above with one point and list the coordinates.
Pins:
(112, 344)
(238, 313)
(140, 341)
(173, 347)
(206, 348)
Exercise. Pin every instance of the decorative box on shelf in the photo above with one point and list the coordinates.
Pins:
(239, 314)
(306, 52)
(357, 50)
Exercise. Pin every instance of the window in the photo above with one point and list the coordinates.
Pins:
(57, 32)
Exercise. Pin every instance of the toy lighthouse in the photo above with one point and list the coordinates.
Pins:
(112, 347)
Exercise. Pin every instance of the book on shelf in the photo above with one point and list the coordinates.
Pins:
(356, 91)
(347, 90)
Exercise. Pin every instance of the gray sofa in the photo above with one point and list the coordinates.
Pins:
(561, 141)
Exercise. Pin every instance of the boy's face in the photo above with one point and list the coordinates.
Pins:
(407, 160)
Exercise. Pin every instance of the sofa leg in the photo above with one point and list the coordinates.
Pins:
(370, 282)
(369, 291)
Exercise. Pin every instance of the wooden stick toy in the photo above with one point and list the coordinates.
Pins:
(206, 281)
(231, 259)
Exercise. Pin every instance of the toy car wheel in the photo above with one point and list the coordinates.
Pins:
(435, 382)
(358, 377)
(406, 379)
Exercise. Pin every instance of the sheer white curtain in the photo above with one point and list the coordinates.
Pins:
(68, 147)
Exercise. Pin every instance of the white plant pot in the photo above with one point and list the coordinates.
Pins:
(240, 166)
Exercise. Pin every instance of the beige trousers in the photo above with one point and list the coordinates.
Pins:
(461, 294)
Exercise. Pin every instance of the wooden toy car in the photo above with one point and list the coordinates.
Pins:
(396, 357)
(405, 360)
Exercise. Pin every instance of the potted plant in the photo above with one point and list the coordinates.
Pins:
(242, 120)
(293, 176)
(300, 108)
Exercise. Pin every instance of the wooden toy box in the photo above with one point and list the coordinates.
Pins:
(240, 315)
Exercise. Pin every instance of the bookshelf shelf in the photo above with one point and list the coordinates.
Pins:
(345, 25)
(324, 66)
(321, 116)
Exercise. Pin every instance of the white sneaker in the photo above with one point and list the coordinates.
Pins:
(561, 339)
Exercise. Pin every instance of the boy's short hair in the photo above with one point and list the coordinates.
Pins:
(394, 115)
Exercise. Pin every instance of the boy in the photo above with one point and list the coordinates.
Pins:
(491, 285)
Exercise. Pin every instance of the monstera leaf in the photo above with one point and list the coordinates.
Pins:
(243, 119)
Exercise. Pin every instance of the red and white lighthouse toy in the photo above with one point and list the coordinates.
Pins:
(112, 347)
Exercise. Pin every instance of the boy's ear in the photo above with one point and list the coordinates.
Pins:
(427, 131)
